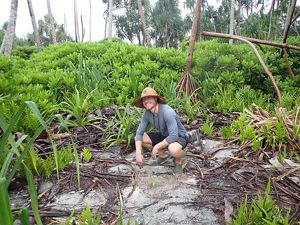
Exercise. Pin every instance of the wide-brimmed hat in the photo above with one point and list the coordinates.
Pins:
(148, 92)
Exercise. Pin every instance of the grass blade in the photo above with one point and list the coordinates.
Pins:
(24, 152)
(24, 217)
(8, 129)
(33, 195)
(33, 107)
(76, 157)
(5, 211)
(54, 147)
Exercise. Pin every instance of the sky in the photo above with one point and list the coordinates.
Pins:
(59, 9)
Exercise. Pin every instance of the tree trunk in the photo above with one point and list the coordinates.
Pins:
(110, 16)
(193, 36)
(51, 23)
(144, 25)
(186, 84)
(289, 19)
(270, 23)
(90, 22)
(238, 25)
(77, 38)
(82, 29)
(65, 23)
(231, 25)
(262, 63)
(9, 36)
(34, 26)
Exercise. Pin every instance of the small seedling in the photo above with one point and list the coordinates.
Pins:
(152, 181)
(86, 154)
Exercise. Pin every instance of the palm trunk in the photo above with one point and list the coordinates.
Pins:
(110, 16)
(8, 40)
(186, 84)
(34, 26)
(193, 36)
(77, 38)
(231, 25)
(90, 22)
(51, 23)
(82, 29)
(238, 26)
(143, 20)
(270, 23)
(289, 19)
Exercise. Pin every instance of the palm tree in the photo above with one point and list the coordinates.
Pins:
(110, 16)
(289, 19)
(34, 26)
(142, 18)
(8, 39)
(185, 83)
(77, 38)
(90, 22)
(231, 25)
(51, 23)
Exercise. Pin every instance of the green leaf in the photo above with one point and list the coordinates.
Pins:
(33, 195)
(5, 211)
(24, 217)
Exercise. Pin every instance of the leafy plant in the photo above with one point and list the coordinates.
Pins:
(87, 217)
(208, 128)
(262, 211)
(86, 154)
(77, 105)
(10, 166)
(227, 132)
(152, 181)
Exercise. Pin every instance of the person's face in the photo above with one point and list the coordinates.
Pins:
(150, 102)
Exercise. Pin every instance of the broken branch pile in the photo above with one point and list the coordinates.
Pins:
(281, 130)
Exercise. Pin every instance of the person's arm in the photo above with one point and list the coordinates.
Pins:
(138, 140)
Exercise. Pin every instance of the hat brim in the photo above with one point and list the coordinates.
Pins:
(139, 102)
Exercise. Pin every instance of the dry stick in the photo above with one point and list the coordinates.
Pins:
(286, 174)
(199, 168)
(262, 63)
(285, 56)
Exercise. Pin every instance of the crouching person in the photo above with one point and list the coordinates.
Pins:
(170, 133)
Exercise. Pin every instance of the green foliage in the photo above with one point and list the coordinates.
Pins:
(5, 210)
(78, 77)
(86, 154)
(152, 181)
(262, 211)
(77, 105)
(227, 132)
(87, 217)
(208, 128)
(13, 152)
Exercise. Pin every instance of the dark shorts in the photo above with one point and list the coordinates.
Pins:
(157, 137)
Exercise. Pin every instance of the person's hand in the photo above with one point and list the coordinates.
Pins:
(155, 151)
(140, 160)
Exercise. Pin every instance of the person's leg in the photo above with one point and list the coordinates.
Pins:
(152, 139)
(177, 152)
(146, 142)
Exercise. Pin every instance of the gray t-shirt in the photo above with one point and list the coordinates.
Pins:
(166, 121)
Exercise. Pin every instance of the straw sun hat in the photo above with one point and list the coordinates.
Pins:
(148, 92)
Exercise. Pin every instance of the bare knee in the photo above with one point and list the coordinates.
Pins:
(146, 142)
(175, 149)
